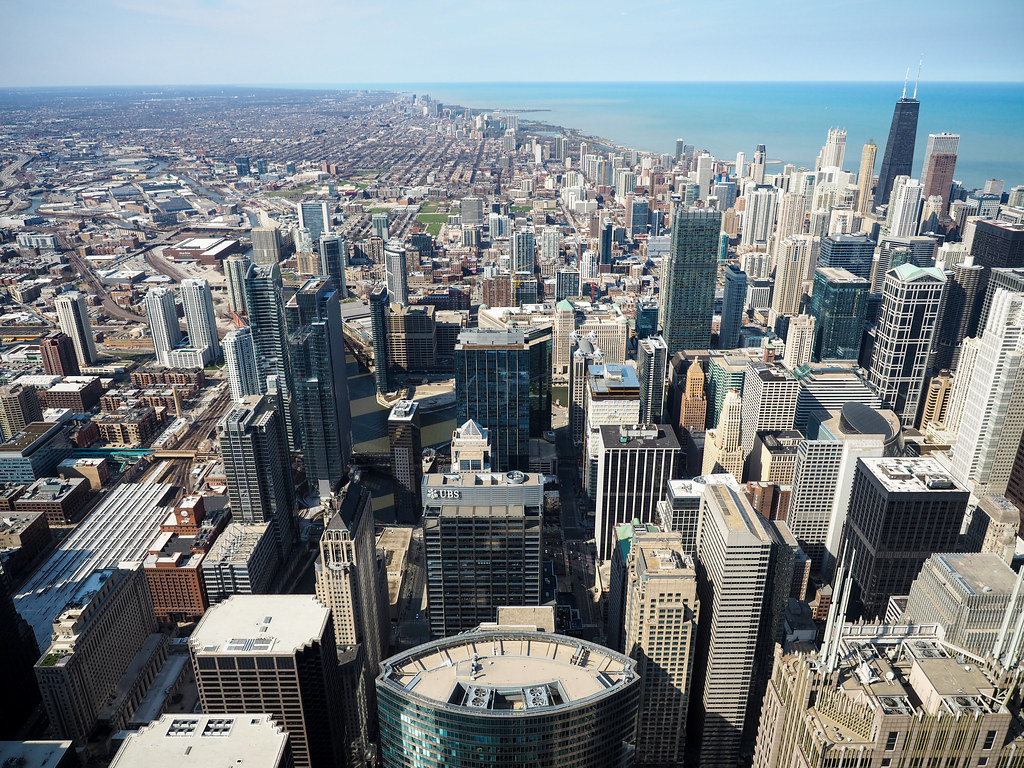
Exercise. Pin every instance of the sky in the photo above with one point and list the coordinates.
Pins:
(186, 42)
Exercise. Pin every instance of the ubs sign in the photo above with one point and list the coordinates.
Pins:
(443, 493)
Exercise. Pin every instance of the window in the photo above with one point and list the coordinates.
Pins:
(990, 739)
(890, 741)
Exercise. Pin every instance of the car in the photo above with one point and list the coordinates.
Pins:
(417, 616)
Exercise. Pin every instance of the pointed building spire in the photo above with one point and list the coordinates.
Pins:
(906, 79)
(920, 64)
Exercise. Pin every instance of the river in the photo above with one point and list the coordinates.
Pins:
(370, 433)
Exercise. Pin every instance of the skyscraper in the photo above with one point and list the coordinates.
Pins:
(759, 214)
(794, 256)
(320, 383)
(734, 302)
(604, 251)
(799, 341)
(638, 214)
(20, 694)
(503, 382)
(163, 322)
(839, 304)
(257, 467)
(757, 166)
(58, 354)
(944, 143)
(633, 465)
(316, 217)
(899, 149)
(853, 253)
(482, 538)
(81, 669)
(688, 276)
(992, 422)
(523, 248)
(379, 225)
(901, 511)
(661, 617)
(240, 358)
(197, 301)
(236, 267)
(73, 317)
(266, 245)
(584, 353)
(770, 393)
(904, 209)
(823, 477)
(995, 244)
(264, 303)
(406, 459)
(911, 300)
(743, 578)
(333, 259)
(834, 151)
(395, 270)
(722, 449)
(351, 581)
(473, 212)
(379, 308)
(652, 364)
(274, 654)
(960, 310)
(866, 177)
(533, 699)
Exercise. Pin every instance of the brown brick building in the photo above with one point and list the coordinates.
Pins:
(60, 500)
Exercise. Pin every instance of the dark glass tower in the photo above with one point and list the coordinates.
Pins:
(899, 149)
(264, 302)
(503, 382)
(379, 328)
(733, 302)
(320, 383)
(850, 252)
(606, 244)
(839, 305)
(688, 277)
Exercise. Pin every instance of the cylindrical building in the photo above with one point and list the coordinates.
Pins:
(507, 698)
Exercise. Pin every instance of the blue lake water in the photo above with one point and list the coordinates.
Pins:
(791, 119)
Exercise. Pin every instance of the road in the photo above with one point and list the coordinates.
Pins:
(95, 286)
(413, 629)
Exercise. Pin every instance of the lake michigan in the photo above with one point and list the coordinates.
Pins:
(791, 119)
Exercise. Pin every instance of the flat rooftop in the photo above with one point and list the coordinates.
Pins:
(508, 672)
(249, 625)
(978, 572)
(251, 741)
(120, 528)
(34, 754)
(912, 475)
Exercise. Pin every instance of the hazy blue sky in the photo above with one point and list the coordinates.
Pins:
(106, 42)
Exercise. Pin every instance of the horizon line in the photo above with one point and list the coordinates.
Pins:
(382, 85)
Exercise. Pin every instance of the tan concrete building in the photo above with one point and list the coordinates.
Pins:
(661, 631)
(96, 638)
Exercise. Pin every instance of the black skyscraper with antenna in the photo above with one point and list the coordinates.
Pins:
(899, 149)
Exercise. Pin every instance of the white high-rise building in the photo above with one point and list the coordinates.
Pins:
(961, 384)
(722, 449)
(834, 151)
(396, 272)
(770, 393)
(197, 300)
(799, 341)
(904, 208)
(757, 167)
(741, 166)
(163, 322)
(743, 583)
(315, 216)
(993, 415)
(911, 301)
(266, 245)
(792, 212)
(550, 244)
(705, 173)
(240, 356)
(823, 477)
(791, 268)
(759, 214)
(73, 317)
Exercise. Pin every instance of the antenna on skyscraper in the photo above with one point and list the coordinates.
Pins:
(905, 79)
(919, 65)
